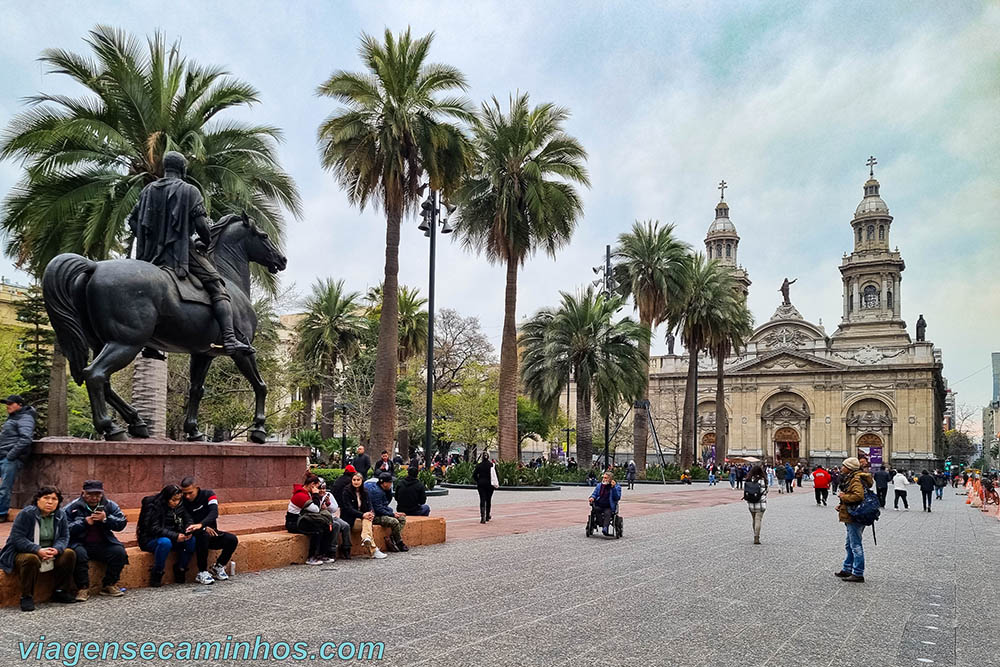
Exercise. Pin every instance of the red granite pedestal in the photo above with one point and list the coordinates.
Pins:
(130, 470)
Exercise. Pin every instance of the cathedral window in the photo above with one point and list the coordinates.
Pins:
(718, 250)
(870, 297)
(850, 305)
(881, 232)
(888, 298)
(871, 232)
(859, 235)
(710, 252)
(729, 250)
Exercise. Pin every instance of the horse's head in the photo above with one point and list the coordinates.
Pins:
(234, 231)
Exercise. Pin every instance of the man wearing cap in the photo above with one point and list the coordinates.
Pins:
(854, 483)
(93, 521)
(16, 436)
(203, 506)
(380, 494)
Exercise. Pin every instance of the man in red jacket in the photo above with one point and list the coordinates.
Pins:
(821, 484)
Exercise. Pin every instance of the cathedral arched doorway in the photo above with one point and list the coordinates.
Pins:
(786, 445)
(871, 446)
(708, 447)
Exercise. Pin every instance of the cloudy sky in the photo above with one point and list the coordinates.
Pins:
(783, 100)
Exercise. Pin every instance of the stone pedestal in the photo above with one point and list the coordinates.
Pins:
(130, 470)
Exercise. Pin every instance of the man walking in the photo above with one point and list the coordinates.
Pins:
(779, 472)
(16, 436)
(821, 485)
(203, 506)
(926, 484)
(882, 478)
(93, 521)
(789, 478)
(854, 484)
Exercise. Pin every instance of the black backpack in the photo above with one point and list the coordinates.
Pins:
(752, 491)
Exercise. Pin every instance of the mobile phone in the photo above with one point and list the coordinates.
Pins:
(99, 508)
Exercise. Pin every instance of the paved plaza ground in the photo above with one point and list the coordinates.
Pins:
(685, 586)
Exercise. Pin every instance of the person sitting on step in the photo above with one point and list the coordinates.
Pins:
(304, 516)
(356, 506)
(411, 496)
(203, 506)
(93, 521)
(329, 503)
(39, 542)
(162, 528)
(380, 493)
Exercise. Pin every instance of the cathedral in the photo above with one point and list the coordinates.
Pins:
(796, 393)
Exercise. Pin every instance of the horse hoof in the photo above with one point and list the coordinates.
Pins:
(138, 431)
(116, 434)
(197, 437)
(258, 435)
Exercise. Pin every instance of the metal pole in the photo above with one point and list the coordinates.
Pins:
(428, 430)
(607, 293)
(343, 436)
(569, 378)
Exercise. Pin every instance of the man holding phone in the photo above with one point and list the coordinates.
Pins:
(203, 506)
(93, 521)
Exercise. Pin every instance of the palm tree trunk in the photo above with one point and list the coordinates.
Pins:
(584, 429)
(149, 394)
(384, 392)
(507, 409)
(640, 419)
(721, 422)
(57, 417)
(328, 413)
(690, 405)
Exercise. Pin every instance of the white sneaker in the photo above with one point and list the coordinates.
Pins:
(378, 553)
(329, 559)
(219, 572)
(314, 561)
(366, 542)
(204, 577)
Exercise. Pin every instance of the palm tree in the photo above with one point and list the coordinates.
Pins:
(730, 335)
(708, 291)
(604, 356)
(519, 197)
(649, 266)
(330, 332)
(87, 158)
(389, 135)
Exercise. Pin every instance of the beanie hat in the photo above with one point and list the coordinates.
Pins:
(852, 463)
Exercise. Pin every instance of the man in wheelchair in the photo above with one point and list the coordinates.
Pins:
(604, 501)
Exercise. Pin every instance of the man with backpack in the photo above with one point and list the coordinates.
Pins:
(859, 507)
(755, 493)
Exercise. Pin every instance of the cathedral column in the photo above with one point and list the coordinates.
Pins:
(847, 298)
(857, 295)
(883, 305)
(895, 296)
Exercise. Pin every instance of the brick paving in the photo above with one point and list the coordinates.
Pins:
(685, 586)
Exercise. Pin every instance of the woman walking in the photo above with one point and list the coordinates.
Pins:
(630, 475)
(485, 477)
(899, 483)
(755, 493)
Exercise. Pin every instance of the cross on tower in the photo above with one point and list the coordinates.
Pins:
(871, 166)
(722, 189)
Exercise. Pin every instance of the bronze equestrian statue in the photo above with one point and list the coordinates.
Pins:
(115, 308)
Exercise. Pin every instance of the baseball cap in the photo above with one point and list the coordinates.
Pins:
(93, 485)
(385, 477)
(350, 469)
(13, 398)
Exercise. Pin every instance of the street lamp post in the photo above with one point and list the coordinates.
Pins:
(343, 407)
(430, 218)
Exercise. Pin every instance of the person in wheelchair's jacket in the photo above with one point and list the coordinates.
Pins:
(604, 500)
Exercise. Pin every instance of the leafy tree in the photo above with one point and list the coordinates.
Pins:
(581, 337)
(36, 340)
(458, 342)
(649, 266)
(330, 332)
(11, 363)
(391, 132)
(519, 197)
(958, 446)
(468, 414)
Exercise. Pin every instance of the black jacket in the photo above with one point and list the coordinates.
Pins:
(926, 482)
(204, 509)
(350, 509)
(22, 536)
(157, 519)
(410, 495)
(339, 484)
(882, 478)
(481, 474)
(362, 464)
(390, 467)
(77, 513)
(17, 434)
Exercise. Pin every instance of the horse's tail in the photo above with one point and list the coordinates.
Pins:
(63, 285)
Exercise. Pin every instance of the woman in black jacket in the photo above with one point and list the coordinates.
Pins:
(162, 528)
(483, 478)
(356, 506)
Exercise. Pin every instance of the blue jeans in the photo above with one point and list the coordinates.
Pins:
(855, 561)
(161, 548)
(8, 471)
(939, 492)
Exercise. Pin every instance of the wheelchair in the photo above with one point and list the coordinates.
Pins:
(615, 526)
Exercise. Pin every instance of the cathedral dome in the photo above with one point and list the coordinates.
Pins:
(722, 224)
(872, 202)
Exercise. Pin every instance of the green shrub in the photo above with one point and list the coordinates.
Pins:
(460, 473)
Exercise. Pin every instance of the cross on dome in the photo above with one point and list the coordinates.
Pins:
(722, 189)
(871, 166)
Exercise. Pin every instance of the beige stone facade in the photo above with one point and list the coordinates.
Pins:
(798, 393)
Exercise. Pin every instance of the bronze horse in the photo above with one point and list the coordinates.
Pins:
(116, 307)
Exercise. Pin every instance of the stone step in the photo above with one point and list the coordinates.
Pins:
(260, 550)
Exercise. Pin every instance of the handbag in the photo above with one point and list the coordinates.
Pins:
(494, 480)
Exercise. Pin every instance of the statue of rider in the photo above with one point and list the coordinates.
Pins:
(169, 212)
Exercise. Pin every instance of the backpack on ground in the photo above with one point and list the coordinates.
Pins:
(752, 491)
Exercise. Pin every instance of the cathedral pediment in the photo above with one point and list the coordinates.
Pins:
(786, 360)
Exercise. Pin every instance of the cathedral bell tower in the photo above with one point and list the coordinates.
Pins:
(722, 242)
(872, 274)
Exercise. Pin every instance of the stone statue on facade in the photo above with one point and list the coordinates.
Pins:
(784, 291)
(670, 343)
(921, 327)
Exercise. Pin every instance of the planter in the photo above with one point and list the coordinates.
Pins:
(437, 492)
(554, 487)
